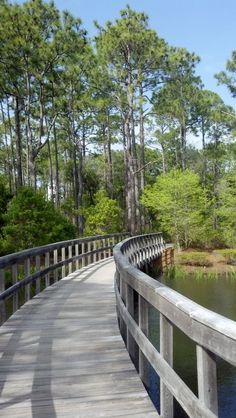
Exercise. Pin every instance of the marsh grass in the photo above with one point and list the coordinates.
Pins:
(179, 273)
(194, 258)
(229, 255)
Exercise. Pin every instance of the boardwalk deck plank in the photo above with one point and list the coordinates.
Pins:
(61, 354)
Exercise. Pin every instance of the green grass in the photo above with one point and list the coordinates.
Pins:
(178, 273)
(193, 258)
(229, 255)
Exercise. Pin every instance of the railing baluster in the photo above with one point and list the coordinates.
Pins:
(130, 307)
(38, 268)
(2, 303)
(95, 254)
(89, 256)
(27, 273)
(47, 262)
(55, 260)
(143, 324)
(104, 245)
(15, 304)
(166, 350)
(63, 257)
(82, 252)
(70, 256)
(207, 379)
(76, 254)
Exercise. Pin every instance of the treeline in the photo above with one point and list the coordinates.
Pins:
(91, 124)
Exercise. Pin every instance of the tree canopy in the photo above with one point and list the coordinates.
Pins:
(104, 132)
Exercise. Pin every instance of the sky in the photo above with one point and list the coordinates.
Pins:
(206, 27)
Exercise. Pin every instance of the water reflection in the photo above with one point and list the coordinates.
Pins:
(219, 296)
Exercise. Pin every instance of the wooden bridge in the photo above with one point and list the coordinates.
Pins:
(61, 353)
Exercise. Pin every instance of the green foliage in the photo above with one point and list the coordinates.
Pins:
(194, 258)
(179, 202)
(33, 221)
(5, 196)
(226, 208)
(104, 217)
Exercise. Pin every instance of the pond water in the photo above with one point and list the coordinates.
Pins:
(219, 295)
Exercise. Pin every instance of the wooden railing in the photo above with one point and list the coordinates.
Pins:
(213, 334)
(26, 273)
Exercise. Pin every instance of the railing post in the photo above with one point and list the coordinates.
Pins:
(15, 304)
(207, 379)
(166, 350)
(130, 308)
(63, 257)
(38, 268)
(89, 249)
(2, 303)
(94, 249)
(82, 252)
(76, 255)
(70, 256)
(27, 273)
(55, 259)
(123, 294)
(143, 325)
(47, 262)
(104, 245)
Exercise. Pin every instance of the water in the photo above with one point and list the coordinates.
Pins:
(219, 295)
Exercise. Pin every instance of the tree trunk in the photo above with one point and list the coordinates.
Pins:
(19, 177)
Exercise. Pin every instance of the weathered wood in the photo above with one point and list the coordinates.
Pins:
(130, 308)
(63, 355)
(213, 334)
(143, 325)
(14, 272)
(166, 351)
(189, 402)
(207, 379)
(37, 267)
(63, 257)
(76, 255)
(27, 273)
(2, 303)
(70, 256)
(55, 260)
(47, 263)
(83, 259)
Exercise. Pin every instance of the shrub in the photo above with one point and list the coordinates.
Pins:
(229, 255)
(194, 259)
(32, 221)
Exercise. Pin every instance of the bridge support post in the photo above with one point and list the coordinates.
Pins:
(166, 350)
(207, 379)
(143, 324)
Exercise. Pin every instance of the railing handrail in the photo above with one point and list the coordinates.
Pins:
(212, 332)
(13, 258)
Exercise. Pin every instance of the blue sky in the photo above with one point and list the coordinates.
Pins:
(206, 27)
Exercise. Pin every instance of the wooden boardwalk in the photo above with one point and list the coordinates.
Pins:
(61, 354)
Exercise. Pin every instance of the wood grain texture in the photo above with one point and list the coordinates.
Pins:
(61, 354)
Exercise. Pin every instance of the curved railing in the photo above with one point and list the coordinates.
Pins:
(213, 334)
(36, 268)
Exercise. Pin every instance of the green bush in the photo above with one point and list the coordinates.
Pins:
(32, 221)
(194, 259)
